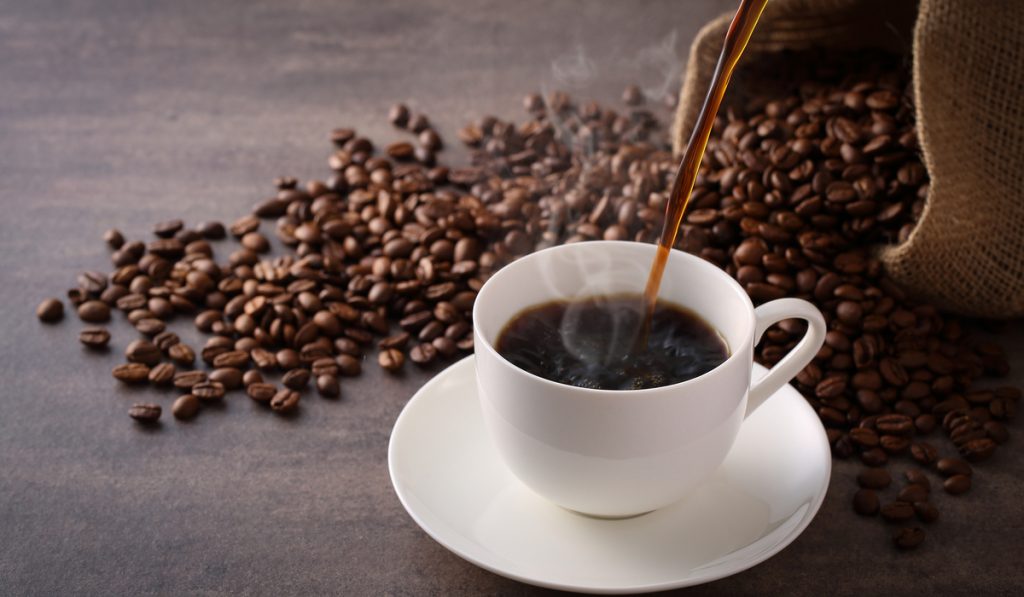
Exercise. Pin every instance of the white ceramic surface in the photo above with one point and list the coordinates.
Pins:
(452, 482)
(621, 453)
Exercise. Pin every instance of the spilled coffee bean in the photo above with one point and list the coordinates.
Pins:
(261, 392)
(185, 407)
(908, 537)
(50, 310)
(162, 374)
(208, 390)
(145, 412)
(94, 338)
(284, 401)
(186, 380)
(131, 373)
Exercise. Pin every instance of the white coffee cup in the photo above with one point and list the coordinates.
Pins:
(622, 453)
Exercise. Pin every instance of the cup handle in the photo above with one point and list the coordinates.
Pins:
(798, 358)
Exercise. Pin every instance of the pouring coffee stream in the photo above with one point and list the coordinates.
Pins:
(736, 39)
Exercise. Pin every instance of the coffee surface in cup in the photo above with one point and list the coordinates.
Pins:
(594, 342)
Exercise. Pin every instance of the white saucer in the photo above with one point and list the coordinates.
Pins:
(453, 484)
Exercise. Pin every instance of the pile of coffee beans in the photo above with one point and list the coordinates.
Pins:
(797, 190)
(383, 259)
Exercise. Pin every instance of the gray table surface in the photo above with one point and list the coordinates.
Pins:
(122, 114)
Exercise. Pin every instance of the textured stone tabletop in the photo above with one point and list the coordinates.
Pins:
(117, 113)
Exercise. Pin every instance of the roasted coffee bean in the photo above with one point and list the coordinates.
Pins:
(261, 392)
(865, 502)
(339, 137)
(894, 444)
(978, 449)
(229, 377)
(50, 310)
(997, 432)
(185, 407)
(327, 323)
(181, 354)
(133, 301)
(423, 354)
(430, 331)
(250, 377)
(263, 359)
(169, 248)
(632, 96)
(255, 242)
(417, 123)
(908, 537)
(131, 373)
(924, 452)
(957, 484)
(162, 374)
(211, 230)
(842, 447)
(895, 424)
(114, 292)
(94, 312)
(150, 326)
(874, 478)
(186, 380)
(324, 366)
(165, 340)
(95, 338)
(145, 413)
(830, 387)
(913, 493)
(305, 334)
(445, 346)
(143, 351)
(925, 424)
(374, 321)
(287, 359)
(398, 115)
(92, 283)
(208, 391)
(429, 139)
(296, 379)
(415, 321)
(953, 466)
(113, 238)
(328, 386)
(168, 229)
(897, 511)
(244, 225)
(233, 358)
(204, 321)
(348, 365)
(398, 340)
(866, 438)
(284, 401)
(391, 359)
(874, 457)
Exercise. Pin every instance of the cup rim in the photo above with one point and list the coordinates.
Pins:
(735, 352)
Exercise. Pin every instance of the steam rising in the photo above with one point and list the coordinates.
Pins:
(573, 68)
(656, 69)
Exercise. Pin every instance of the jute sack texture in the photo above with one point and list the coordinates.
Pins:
(966, 254)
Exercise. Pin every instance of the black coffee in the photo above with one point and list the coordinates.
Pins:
(595, 342)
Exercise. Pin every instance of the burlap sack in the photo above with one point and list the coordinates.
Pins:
(966, 253)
